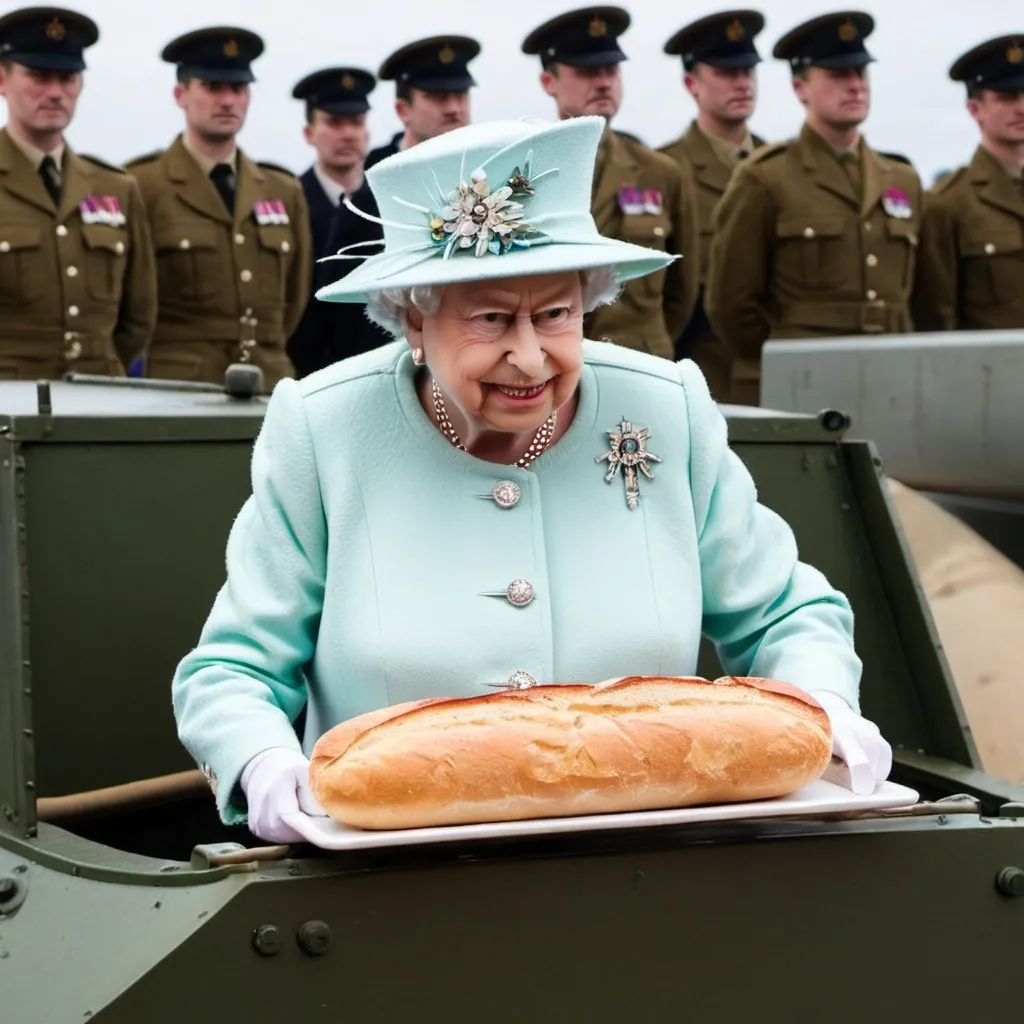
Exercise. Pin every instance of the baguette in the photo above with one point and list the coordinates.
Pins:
(631, 744)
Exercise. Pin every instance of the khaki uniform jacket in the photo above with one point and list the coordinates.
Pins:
(230, 288)
(710, 175)
(796, 253)
(971, 273)
(651, 311)
(74, 296)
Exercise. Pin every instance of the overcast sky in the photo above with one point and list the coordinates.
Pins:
(127, 108)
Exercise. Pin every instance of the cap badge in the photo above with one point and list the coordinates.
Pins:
(348, 82)
(597, 28)
(446, 56)
(1015, 54)
(55, 30)
(735, 31)
(231, 48)
(848, 31)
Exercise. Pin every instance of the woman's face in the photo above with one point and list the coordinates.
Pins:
(505, 353)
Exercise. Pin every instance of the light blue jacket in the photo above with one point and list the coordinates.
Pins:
(370, 564)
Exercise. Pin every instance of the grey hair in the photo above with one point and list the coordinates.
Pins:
(389, 306)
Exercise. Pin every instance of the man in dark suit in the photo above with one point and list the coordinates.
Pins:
(432, 83)
(336, 105)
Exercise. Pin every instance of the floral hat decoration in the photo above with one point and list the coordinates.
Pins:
(492, 200)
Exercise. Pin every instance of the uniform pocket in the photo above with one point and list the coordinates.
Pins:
(23, 278)
(811, 252)
(188, 262)
(993, 259)
(276, 252)
(105, 249)
(901, 236)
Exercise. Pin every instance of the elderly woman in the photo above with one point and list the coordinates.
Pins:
(491, 500)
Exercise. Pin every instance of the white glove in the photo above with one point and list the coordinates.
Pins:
(857, 742)
(276, 782)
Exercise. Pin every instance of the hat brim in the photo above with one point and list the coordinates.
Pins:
(738, 60)
(590, 60)
(343, 107)
(627, 261)
(841, 61)
(232, 75)
(1014, 84)
(455, 83)
(47, 61)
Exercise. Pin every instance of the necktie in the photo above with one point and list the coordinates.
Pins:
(51, 178)
(223, 179)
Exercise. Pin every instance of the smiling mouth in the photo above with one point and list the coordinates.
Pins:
(530, 392)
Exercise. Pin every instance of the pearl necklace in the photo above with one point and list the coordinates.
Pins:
(540, 441)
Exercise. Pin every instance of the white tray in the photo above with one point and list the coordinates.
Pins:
(819, 797)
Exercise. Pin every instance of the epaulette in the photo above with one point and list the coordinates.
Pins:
(898, 157)
(146, 158)
(947, 180)
(267, 165)
(767, 151)
(103, 163)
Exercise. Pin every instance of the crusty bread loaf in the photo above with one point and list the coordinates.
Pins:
(638, 743)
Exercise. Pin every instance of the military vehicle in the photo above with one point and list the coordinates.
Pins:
(123, 900)
(943, 410)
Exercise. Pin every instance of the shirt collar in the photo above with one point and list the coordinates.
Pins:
(206, 164)
(729, 152)
(35, 156)
(332, 188)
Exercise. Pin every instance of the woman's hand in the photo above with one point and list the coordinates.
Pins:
(857, 742)
(276, 782)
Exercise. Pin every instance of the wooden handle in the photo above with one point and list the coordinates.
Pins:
(128, 796)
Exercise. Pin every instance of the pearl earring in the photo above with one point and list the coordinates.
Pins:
(417, 356)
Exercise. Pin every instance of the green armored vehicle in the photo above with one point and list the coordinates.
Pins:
(124, 901)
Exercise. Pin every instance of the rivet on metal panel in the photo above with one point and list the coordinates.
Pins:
(315, 937)
(1010, 882)
(266, 940)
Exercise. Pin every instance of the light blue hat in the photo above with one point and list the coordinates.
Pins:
(491, 200)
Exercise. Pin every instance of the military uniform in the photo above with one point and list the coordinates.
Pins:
(639, 195)
(437, 64)
(723, 40)
(232, 285)
(971, 273)
(77, 283)
(809, 242)
(328, 330)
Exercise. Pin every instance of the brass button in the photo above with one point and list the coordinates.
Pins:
(989, 248)
(246, 275)
(872, 294)
(61, 230)
(184, 244)
(248, 310)
(72, 271)
(506, 494)
(808, 232)
(867, 226)
(5, 246)
(68, 335)
(659, 231)
(72, 311)
(872, 260)
(285, 247)
(119, 248)
(74, 350)
(519, 593)
(239, 239)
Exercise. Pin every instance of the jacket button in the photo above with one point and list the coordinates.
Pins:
(872, 260)
(184, 243)
(519, 593)
(119, 248)
(659, 231)
(5, 246)
(74, 350)
(808, 232)
(239, 239)
(872, 294)
(72, 311)
(72, 271)
(285, 247)
(61, 230)
(506, 494)
(989, 248)
(246, 275)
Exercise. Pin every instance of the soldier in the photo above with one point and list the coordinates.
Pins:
(639, 195)
(720, 73)
(77, 282)
(432, 83)
(232, 236)
(815, 236)
(971, 272)
(336, 102)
